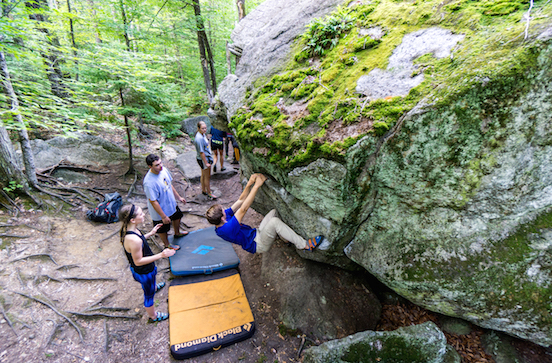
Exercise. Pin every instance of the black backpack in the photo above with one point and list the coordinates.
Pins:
(107, 211)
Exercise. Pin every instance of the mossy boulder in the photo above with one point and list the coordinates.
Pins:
(423, 343)
(440, 185)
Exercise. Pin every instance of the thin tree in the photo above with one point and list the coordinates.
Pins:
(129, 138)
(206, 56)
(38, 10)
(125, 25)
(72, 36)
(28, 159)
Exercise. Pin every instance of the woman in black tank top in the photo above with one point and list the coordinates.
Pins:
(141, 258)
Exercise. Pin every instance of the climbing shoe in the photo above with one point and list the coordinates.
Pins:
(159, 286)
(159, 317)
(312, 243)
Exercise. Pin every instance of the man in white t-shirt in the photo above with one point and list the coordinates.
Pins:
(162, 200)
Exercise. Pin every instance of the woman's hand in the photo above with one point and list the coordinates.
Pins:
(156, 228)
(168, 252)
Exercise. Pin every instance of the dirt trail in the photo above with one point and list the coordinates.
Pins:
(39, 334)
(74, 243)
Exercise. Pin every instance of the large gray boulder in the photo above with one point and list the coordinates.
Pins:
(451, 207)
(423, 343)
(76, 148)
(189, 125)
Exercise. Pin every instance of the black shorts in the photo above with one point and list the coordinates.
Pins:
(201, 165)
(217, 145)
(166, 227)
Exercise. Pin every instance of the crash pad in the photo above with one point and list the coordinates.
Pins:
(202, 252)
(207, 312)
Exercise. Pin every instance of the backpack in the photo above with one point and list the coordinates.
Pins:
(107, 211)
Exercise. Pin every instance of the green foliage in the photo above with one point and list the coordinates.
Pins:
(160, 75)
(323, 34)
(12, 187)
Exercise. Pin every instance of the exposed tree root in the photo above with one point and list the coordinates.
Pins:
(12, 235)
(40, 188)
(67, 267)
(55, 310)
(102, 315)
(38, 255)
(68, 166)
(90, 278)
(132, 187)
(100, 300)
(106, 238)
(7, 318)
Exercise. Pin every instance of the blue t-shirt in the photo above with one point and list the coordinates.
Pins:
(158, 187)
(240, 234)
(217, 134)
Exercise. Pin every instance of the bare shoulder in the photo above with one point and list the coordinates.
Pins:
(132, 243)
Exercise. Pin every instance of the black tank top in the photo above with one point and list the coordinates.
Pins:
(146, 251)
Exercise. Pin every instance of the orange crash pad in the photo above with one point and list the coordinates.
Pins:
(207, 312)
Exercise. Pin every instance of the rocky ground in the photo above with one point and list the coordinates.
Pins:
(57, 266)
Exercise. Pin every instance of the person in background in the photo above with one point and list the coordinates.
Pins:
(229, 137)
(204, 158)
(141, 258)
(236, 148)
(217, 146)
(229, 225)
(162, 200)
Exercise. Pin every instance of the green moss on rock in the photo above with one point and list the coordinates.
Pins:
(491, 52)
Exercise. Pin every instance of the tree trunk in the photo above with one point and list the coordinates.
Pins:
(206, 56)
(129, 138)
(9, 167)
(73, 43)
(50, 57)
(241, 9)
(28, 158)
(125, 25)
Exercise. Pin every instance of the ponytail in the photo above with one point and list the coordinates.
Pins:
(126, 213)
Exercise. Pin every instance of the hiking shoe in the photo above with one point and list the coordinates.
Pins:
(159, 317)
(223, 169)
(215, 168)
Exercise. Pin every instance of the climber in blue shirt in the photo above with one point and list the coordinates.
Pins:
(229, 227)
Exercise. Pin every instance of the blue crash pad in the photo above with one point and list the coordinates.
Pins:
(202, 252)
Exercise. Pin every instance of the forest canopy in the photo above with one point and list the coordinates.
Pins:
(76, 63)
